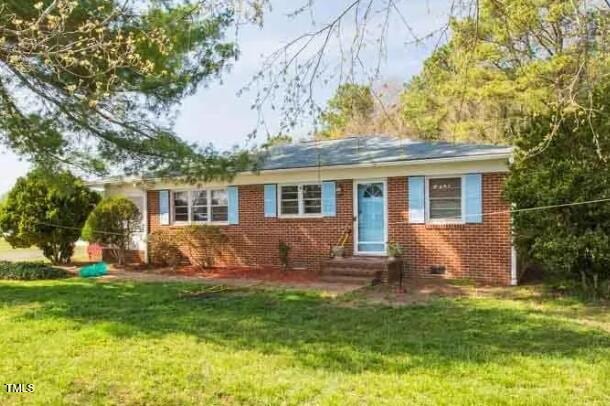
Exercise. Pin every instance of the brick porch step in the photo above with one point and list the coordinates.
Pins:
(357, 270)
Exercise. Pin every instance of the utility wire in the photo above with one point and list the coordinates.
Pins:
(552, 206)
(493, 213)
(42, 223)
(526, 209)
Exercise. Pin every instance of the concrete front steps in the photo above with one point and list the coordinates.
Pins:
(353, 270)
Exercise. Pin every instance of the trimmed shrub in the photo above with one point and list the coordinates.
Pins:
(28, 271)
(164, 250)
(201, 243)
(113, 223)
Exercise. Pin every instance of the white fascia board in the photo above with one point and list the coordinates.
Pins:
(263, 174)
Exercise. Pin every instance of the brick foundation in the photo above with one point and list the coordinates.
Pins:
(477, 251)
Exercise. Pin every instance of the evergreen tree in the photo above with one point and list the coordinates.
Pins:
(91, 83)
(47, 209)
(519, 59)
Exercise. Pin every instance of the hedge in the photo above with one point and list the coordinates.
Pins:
(27, 271)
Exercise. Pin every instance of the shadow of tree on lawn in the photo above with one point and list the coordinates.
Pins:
(316, 332)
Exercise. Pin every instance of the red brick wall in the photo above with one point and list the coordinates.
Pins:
(476, 251)
(255, 240)
(97, 253)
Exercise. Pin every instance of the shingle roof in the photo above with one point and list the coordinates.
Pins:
(355, 151)
(369, 150)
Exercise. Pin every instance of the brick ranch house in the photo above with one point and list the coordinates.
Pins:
(441, 202)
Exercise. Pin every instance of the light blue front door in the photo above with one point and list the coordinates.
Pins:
(371, 218)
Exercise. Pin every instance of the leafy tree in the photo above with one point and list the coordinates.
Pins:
(575, 240)
(278, 139)
(86, 82)
(113, 223)
(47, 209)
(351, 106)
(519, 59)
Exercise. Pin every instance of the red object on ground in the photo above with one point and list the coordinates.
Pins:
(94, 252)
(265, 274)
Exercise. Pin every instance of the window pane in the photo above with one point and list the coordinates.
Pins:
(312, 199)
(289, 199)
(200, 198)
(220, 210)
(445, 188)
(290, 207)
(290, 192)
(181, 210)
(312, 192)
(445, 198)
(200, 213)
(181, 217)
(312, 207)
(445, 209)
(199, 205)
(180, 199)
(220, 213)
(219, 198)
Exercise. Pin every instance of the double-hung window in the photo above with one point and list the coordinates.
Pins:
(445, 200)
(200, 206)
(181, 207)
(300, 200)
(219, 205)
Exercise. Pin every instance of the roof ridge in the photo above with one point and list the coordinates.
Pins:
(355, 137)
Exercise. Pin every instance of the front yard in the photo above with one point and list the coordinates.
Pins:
(8, 253)
(187, 343)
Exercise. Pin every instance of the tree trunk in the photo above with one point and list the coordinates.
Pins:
(583, 280)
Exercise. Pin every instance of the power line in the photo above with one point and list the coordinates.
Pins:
(526, 209)
(552, 206)
(493, 213)
(42, 223)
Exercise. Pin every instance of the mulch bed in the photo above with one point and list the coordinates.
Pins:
(263, 274)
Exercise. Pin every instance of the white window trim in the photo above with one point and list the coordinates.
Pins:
(190, 207)
(301, 201)
(462, 219)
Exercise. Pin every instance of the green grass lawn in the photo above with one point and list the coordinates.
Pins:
(85, 342)
(8, 253)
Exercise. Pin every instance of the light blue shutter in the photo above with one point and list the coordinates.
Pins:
(270, 200)
(329, 205)
(474, 201)
(233, 196)
(164, 207)
(417, 202)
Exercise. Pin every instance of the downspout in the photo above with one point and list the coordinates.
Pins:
(513, 251)
(513, 264)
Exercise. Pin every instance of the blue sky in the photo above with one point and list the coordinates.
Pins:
(216, 114)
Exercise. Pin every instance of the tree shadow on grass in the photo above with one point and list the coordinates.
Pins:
(317, 333)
